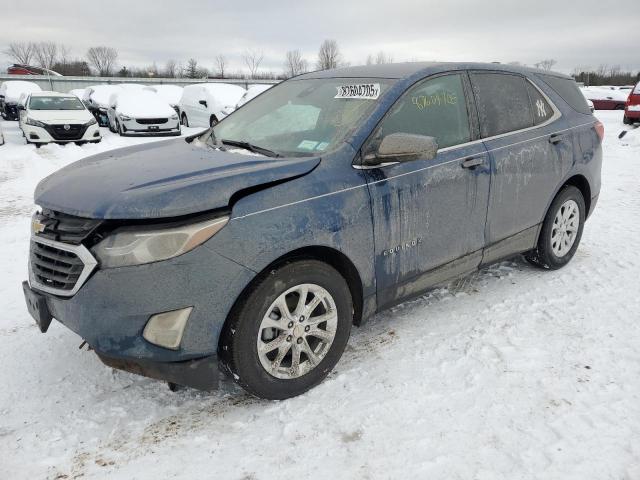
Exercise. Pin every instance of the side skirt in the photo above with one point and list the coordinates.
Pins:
(417, 285)
(510, 246)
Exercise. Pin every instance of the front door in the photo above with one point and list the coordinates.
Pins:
(429, 214)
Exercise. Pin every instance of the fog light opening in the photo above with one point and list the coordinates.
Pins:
(166, 329)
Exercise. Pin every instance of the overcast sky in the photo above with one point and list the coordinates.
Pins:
(575, 33)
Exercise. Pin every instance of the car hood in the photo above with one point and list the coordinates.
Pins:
(60, 116)
(160, 180)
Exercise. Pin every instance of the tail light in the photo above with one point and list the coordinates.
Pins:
(599, 129)
(634, 99)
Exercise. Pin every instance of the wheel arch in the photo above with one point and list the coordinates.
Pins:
(582, 184)
(328, 255)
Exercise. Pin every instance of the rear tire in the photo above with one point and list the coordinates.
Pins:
(626, 120)
(561, 230)
(257, 320)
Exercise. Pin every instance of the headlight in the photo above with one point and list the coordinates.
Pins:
(93, 121)
(124, 118)
(138, 245)
(174, 117)
(34, 123)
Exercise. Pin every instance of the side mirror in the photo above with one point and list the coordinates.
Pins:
(403, 147)
(203, 102)
(21, 107)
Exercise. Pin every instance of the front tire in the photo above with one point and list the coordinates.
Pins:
(289, 330)
(213, 121)
(561, 230)
(184, 120)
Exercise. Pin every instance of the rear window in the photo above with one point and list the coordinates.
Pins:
(637, 89)
(503, 103)
(569, 91)
(542, 111)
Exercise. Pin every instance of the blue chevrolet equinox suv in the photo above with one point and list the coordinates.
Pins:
(254, 246)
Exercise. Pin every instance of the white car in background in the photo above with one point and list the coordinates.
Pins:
(141, 113)
(205, 104)
(170, 93)
(10, 93)
(58, 117)
(252, 92)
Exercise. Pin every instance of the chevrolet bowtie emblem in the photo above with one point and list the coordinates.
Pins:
(37, 226)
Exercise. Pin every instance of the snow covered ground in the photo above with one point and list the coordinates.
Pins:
(513, 373)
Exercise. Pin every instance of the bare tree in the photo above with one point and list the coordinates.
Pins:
(221, 65)
(294, 63)
(20, 52)
(103, 59)
(252, 59)
(602, 70)
(171, 69)
(46, 54)
(329, 55)
(546, 64)
(383, 57)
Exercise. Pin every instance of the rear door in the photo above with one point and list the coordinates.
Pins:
(530, 151)
(429, 213)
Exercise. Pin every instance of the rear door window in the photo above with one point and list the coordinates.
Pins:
(502, 101)
(542, 111)
(569, 91)
(435, 107)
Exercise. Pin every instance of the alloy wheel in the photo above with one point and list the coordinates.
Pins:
(565, 228)
(297, 331)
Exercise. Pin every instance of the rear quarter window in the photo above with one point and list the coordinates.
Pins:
(503, 103)
(542, 111)
(569, 92)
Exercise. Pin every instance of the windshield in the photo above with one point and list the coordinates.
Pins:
(55, 103)
(302, 117)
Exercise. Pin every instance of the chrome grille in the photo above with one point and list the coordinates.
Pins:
(58, 268)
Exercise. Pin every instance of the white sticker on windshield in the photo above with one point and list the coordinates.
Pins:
(367, 91)
(307, 145)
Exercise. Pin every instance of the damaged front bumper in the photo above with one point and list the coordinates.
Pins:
(110, 312)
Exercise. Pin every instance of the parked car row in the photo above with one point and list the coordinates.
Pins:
(126, 109)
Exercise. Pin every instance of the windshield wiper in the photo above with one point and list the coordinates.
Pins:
(251, 147)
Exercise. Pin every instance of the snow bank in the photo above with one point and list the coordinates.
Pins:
(13, 89)
(143, 104)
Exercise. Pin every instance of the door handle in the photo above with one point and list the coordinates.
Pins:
(472, 162)
(555, 139)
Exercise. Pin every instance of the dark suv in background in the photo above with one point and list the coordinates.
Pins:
(331, 196)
